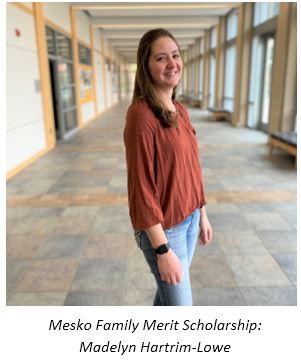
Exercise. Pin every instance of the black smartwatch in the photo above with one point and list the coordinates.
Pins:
(162, 249)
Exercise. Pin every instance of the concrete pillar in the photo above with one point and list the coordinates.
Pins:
(283, 96)
(73, 16)
(220, 62)
(290, 95)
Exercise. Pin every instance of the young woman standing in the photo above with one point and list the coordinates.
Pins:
(165, 183)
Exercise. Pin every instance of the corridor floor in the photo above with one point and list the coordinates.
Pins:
(69, 237)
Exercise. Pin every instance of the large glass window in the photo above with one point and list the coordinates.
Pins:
(255, 82)
(201, 78)
(63, 46)
(232, 25)
(264, 11)
(50, 40)
(262, 56)
(211, 80)
(267, 80)
(230, 61)
(229, 89)
(212, 64)
(213, 38)
(84, 55)
(200, 69)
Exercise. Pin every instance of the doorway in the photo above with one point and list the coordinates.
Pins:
(55, 98)
(62, 83)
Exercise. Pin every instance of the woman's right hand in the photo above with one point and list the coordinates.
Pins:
(170, 267)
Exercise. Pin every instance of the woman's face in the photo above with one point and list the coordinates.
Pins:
(165, 63)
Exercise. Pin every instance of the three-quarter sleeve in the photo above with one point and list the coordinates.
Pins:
(139, 138)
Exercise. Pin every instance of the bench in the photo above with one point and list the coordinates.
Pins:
(193, 101)
(220, 114)
(286, 141)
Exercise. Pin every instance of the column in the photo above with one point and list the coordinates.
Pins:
(44, 75)
(73, 17)
(283, 97)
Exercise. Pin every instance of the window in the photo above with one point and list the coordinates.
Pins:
(63, 46)
(84, 55)
(58, 44)
(211, 80)
(50, 40)
(229, 88)
(213, 38)
(201, 78)
(256, 74)
(232, 25)
(265, 11)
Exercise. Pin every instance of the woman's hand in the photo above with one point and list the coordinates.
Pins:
(170, 268)
(206, 230)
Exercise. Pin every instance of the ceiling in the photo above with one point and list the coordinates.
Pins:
(123, 24)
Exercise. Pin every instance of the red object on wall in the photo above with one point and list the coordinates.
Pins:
(17, 32)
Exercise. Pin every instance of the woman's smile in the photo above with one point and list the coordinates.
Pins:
(165, 64)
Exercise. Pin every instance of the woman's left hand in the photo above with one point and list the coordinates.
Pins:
(206, 231)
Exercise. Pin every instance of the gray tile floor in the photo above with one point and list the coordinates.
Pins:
(69, 238)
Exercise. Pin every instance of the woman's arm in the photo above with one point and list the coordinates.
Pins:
(168, 264)
(206, 229)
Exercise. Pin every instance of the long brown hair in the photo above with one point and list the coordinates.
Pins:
(144, 87)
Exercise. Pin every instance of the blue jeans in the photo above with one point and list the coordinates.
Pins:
(182, 239)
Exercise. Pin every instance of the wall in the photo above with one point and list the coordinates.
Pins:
(83, 27)
(100, 82)
(25, 120)
(83, 35)
(27, 117)
(58, 13)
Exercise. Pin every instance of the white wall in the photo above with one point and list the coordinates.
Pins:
(99, 82)
(106, 47)
(83, 27)
(109, 85)
(24, 122)
(88, 111)
(58, 13)
(96, 34)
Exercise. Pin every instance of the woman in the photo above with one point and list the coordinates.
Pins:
(165, 186)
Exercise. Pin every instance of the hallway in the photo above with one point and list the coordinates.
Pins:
(69, 237)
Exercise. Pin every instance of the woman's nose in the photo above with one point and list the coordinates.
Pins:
(171, 62)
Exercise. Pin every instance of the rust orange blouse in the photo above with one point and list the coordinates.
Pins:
(165, 183)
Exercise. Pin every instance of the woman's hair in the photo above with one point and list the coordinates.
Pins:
(144, 86)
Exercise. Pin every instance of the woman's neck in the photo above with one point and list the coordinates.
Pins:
(166, 97)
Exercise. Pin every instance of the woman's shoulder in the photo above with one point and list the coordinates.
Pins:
(140, 115)
(138, 107)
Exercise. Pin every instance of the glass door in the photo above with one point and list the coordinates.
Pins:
(62, 83)
(67, 97)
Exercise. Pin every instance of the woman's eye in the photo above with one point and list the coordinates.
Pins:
(176, 56)
(161, 58)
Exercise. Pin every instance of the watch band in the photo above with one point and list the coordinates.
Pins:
(162, 249)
